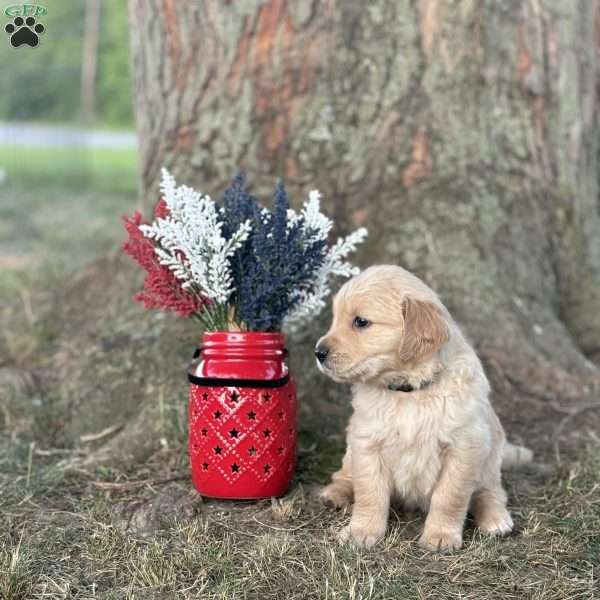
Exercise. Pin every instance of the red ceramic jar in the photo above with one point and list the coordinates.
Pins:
(242, 416)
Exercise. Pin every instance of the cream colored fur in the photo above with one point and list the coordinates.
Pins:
(439, 448)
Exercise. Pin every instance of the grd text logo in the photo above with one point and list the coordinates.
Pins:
(24, 30)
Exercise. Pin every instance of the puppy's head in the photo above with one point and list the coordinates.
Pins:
(385, 321)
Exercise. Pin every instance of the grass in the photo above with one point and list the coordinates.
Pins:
(63, 536)
(68, 530)
(77, 169)
(60, 208)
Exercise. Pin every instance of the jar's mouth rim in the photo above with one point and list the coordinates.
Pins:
(242, 337)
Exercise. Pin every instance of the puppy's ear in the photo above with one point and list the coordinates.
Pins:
(425, 330)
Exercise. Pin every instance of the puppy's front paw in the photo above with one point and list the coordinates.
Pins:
(497, 522)
(360, 536)
(335, 495)
(440, 540)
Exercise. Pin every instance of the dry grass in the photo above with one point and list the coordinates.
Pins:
(66, 534)
(80, 359)
(69, 531)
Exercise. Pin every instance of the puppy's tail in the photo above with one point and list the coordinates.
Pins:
(515, 455)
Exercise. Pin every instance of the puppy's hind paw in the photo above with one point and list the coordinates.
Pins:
(441, 541)
(335, 495)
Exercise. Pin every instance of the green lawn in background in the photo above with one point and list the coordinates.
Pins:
(80, 169)
(60, 208)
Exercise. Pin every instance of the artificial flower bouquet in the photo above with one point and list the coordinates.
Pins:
(244, 271)
(238, 266)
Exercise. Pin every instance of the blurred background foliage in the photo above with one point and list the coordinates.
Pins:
(62, 190)
(114, 76)
(44, 84)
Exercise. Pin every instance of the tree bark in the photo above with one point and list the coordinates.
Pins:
(462, 134)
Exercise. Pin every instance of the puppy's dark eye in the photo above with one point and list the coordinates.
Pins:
(360, 323)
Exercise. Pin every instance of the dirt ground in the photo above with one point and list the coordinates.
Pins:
(96, 500)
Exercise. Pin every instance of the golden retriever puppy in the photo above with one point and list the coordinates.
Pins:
(422, 427)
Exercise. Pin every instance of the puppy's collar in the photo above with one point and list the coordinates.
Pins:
(407, 387)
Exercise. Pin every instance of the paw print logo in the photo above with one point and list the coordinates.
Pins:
(24, 32)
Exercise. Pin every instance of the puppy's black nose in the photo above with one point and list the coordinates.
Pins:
(321, 353)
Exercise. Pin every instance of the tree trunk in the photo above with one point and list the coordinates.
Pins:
(462, 134)
(89, 60)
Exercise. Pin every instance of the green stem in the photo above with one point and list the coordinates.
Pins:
(210, 317)
(205, 320)
(215, 317)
